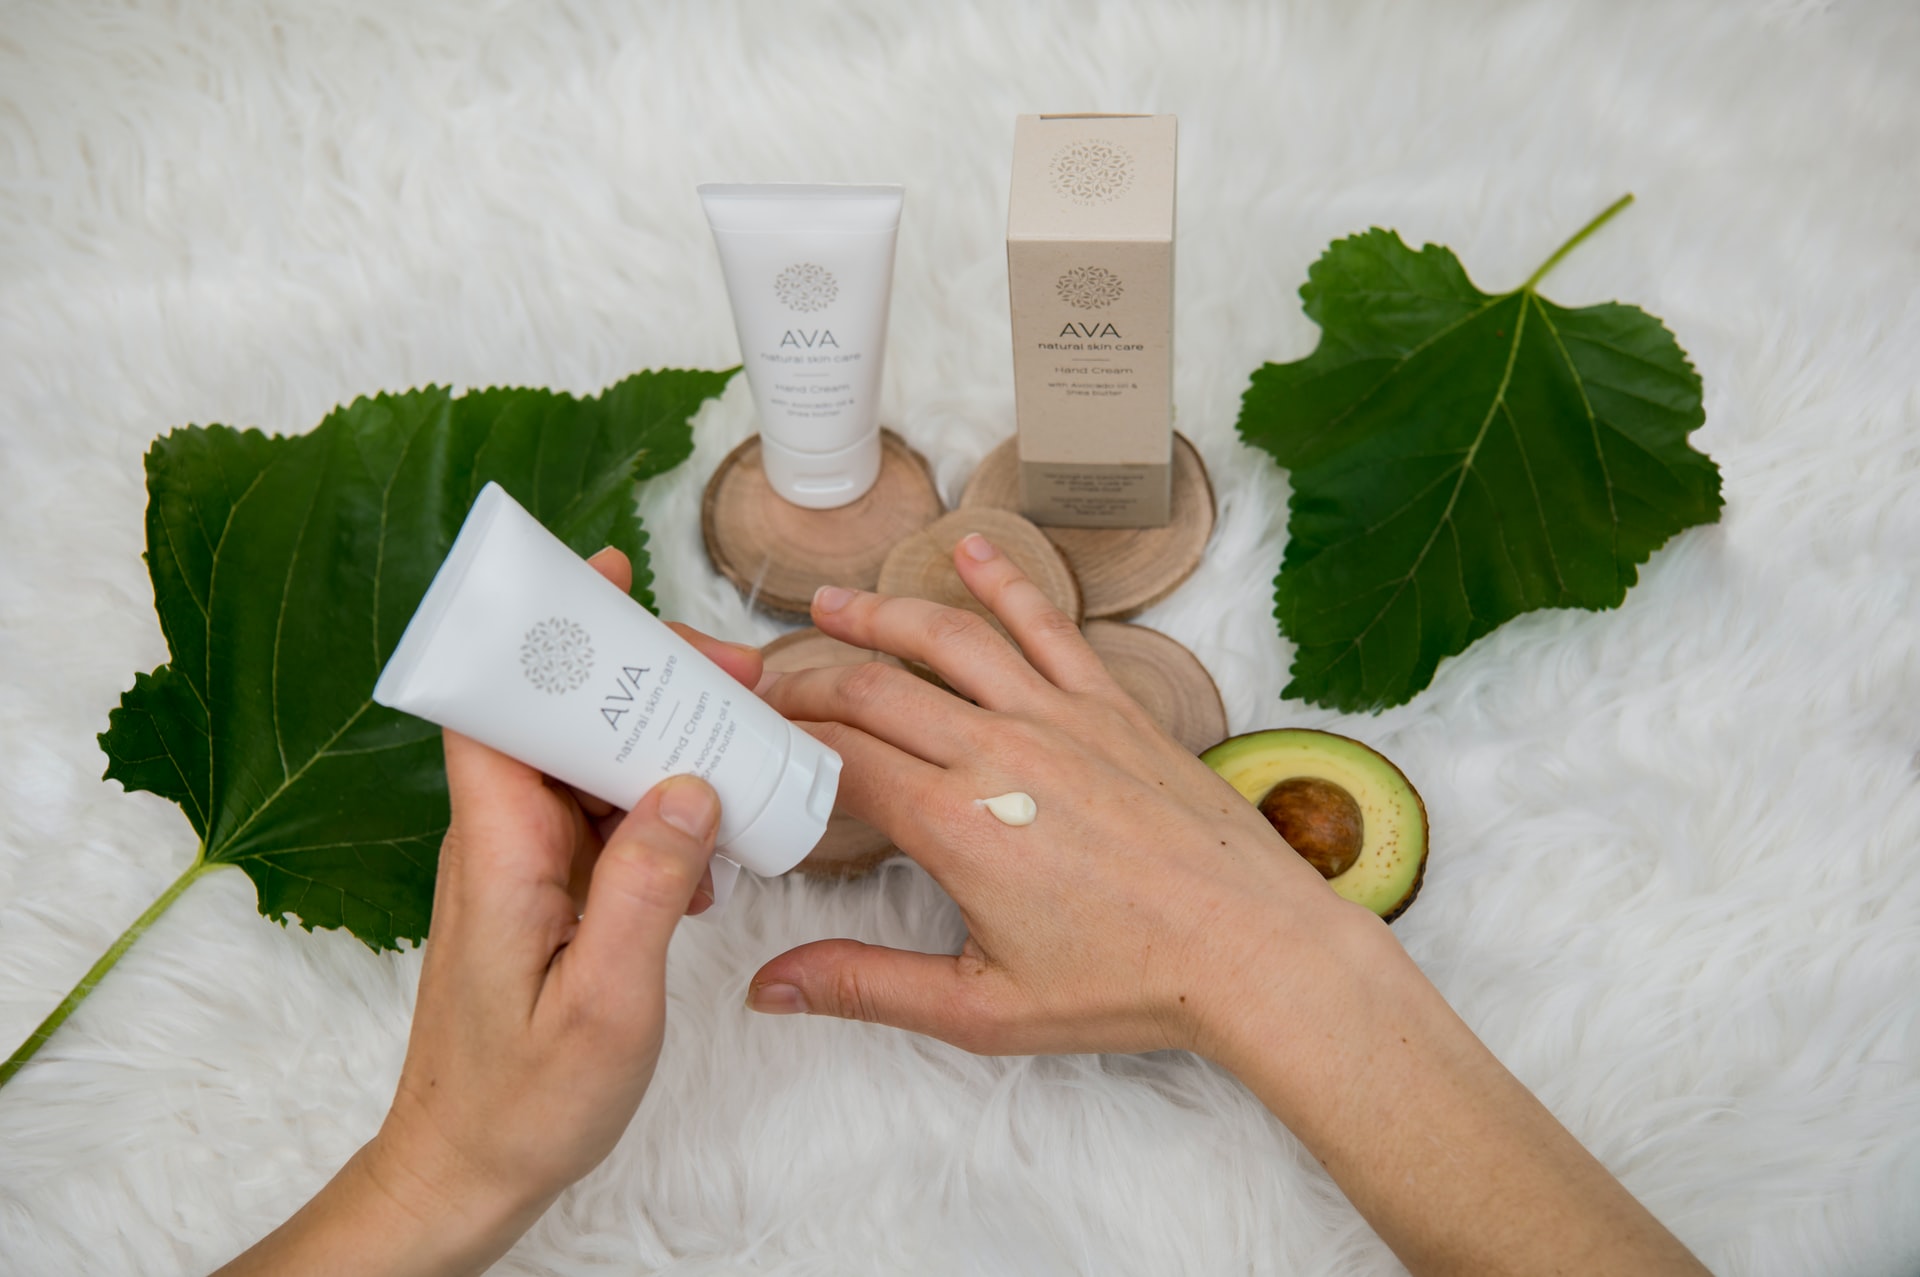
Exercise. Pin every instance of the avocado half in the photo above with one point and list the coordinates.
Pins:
(1346, 809)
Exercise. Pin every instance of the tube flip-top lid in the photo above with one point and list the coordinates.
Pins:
(796, 813)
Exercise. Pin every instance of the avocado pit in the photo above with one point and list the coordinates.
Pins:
(1319, 819)
(1346, 809)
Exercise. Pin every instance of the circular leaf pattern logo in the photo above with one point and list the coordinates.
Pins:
(804, 286)
(1091, 171)
(1089, 287)
(556, 655)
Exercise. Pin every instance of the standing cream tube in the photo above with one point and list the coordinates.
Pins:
(521, 645)
(809, 270)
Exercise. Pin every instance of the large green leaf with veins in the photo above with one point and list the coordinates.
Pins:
(285, 569)
(1458, 458)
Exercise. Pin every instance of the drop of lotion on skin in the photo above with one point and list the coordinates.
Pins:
(1012, 809)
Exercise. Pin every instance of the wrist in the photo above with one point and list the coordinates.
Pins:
(1290, 981)
(445, 1215)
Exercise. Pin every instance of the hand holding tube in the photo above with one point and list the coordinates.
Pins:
(540, 1015)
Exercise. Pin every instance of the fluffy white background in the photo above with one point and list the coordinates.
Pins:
(1675, 883)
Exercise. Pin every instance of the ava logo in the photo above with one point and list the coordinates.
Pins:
(556, 656)
(1091, 171)
(805, 287)
(1089, 288)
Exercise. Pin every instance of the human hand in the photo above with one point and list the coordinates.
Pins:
(1121, 919)
(541, 1010)
(1149, 905)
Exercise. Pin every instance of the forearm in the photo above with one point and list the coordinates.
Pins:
(383, 1216)
(1452, 1160)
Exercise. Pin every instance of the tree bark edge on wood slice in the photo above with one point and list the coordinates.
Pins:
(778, 553)
(1122, 571)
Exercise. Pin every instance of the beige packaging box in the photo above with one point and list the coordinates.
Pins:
(1090, 277)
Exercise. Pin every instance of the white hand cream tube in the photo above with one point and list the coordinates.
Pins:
(521, 645)
(809, 270)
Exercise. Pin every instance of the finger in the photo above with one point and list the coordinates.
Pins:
(900, 795)
(604, 826)
(477, 776)
(702, 894)
(1052, 643)
(614, 565)
(510, 861)
(943, 997)
(890, 704)
(586, 854)
(486, 789)
(959, 646)
(737, 659)
(644, 883)
(594, 807)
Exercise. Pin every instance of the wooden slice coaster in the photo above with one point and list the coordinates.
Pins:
(1121, 570)
(778, 554)
(1169, 681)
(921, 566)
(809, 649)
(850, 847)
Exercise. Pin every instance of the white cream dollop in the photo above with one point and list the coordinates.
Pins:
(1012, 809)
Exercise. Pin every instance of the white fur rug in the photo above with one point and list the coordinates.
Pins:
(1676, 875)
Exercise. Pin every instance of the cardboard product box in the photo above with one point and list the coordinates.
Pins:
(1090, 275)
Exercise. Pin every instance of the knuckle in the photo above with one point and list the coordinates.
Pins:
(1050, 625)
(1017, 743)
(834, 735)
(867, 685)
(851, 994)
(954, 627)
(656, 880)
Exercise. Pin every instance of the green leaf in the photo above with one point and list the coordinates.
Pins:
(1459, 458)
(284, 571)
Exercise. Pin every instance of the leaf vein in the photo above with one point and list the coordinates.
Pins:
(1499, 398)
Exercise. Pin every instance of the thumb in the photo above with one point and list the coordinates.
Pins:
(921, 992)
(646, 875)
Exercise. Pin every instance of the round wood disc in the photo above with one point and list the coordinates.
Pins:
(1169, 681)
(809, 649)
(1121, 570)
(921, 566)
(849, 847)
(779, 553)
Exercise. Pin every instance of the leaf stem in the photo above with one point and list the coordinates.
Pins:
(98, 970)
(1580, 235)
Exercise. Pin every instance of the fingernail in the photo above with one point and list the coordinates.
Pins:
(767, 679)
(831, 598)
(689, 806)
(777, 999)
(702, 900)
(978, 548)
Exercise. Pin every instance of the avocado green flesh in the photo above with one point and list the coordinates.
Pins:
(1393, 852)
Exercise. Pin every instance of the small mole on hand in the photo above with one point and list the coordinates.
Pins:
(1012, 809)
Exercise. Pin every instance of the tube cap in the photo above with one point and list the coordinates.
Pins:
(821, 480)
(796, 814)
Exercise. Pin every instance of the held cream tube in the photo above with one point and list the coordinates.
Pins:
(521, 645)
(809, 270)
